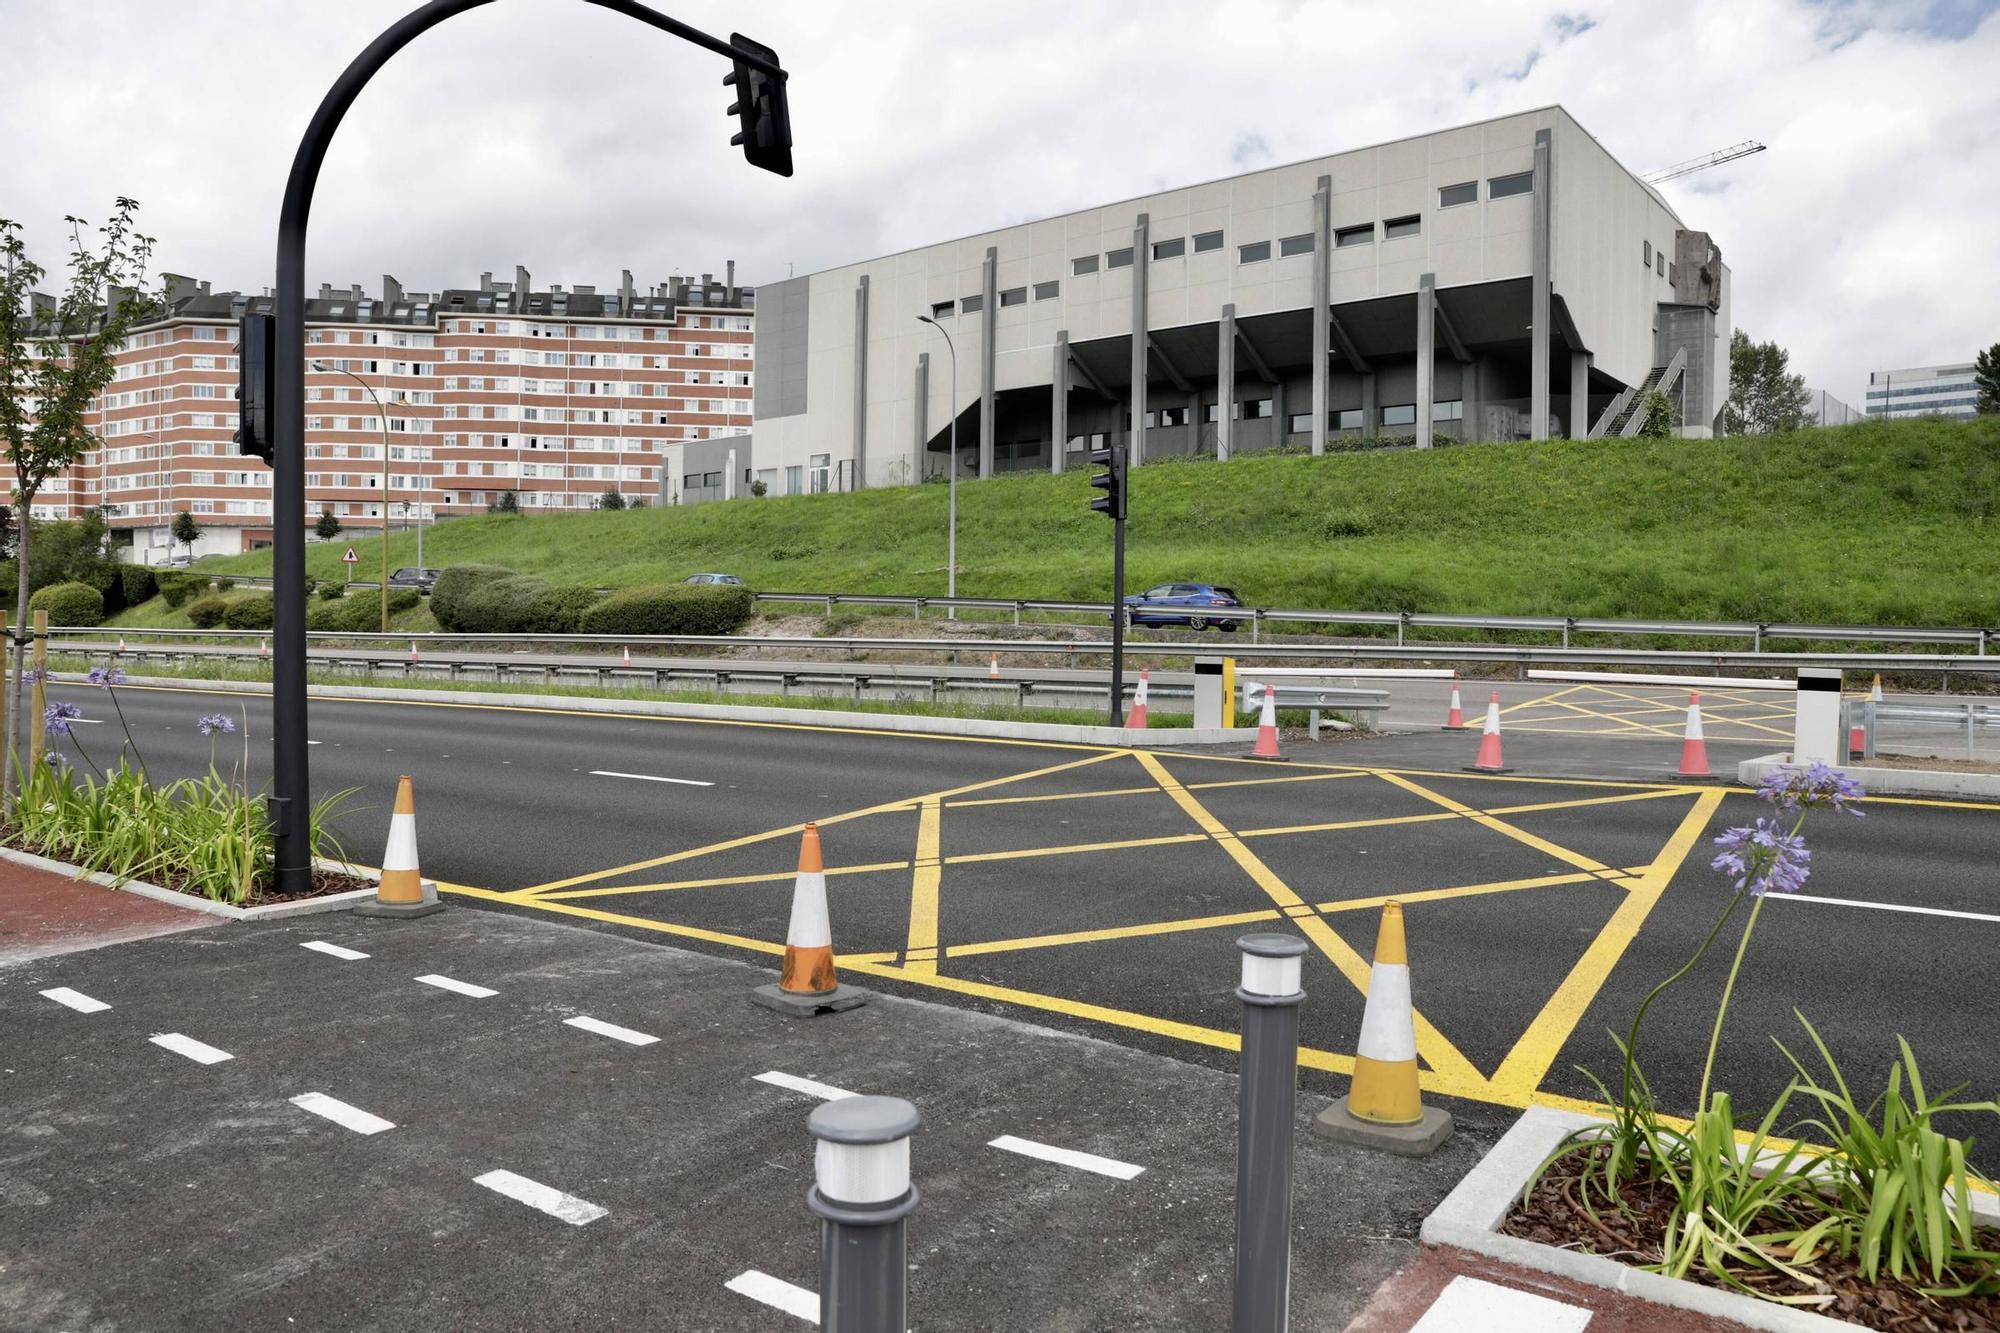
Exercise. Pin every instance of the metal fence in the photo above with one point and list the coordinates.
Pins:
(1941, 729)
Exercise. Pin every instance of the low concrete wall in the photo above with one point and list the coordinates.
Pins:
(1887, 781)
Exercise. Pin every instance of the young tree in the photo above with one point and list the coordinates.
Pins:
(1986, 375)
(611, 499)
(1658, 423)
(1763, 396)
(53, 363)
(328, 526)
(186, 531)
(508, 503)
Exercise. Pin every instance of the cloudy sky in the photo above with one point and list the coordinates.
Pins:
(557, 135)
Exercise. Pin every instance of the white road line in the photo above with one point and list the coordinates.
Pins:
(1467, 1302)
(194, 1050)
(76, 1000)
(776, 1293)
(461, 987)
(648, 777)
(567, 1207)
(1082, 1161)
(335, 950)
(604, 1029)
(1882, 907)
(824, 1091)
(340, 1113)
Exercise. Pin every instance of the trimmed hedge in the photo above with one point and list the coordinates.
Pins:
(330, 592)
(457, 583)
(358, 614)
(564, 606)
(176, 585)
(252, 612)
(69, 604)
(207, 612)
(674, 608)
(511, 605)
(138, 583)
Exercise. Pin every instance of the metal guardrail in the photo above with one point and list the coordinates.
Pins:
(1967, 718)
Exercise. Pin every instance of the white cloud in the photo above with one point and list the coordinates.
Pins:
(558, 135)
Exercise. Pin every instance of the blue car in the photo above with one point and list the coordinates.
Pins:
(1182, 604)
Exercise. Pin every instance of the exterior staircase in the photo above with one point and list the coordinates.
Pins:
(1627, 412)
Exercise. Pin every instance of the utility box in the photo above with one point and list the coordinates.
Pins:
(1211, 693)
(1816, 734)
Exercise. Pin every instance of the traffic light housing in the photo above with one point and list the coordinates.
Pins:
(1111, 481)
(256, 384)
(760, 109)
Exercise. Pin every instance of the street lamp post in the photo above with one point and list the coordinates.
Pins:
(381, 413)
(951, 529)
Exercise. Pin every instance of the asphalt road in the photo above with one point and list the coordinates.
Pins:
(1532, 930)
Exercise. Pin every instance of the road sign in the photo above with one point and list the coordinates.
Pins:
(350, 558)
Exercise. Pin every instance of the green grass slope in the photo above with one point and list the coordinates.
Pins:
(1894, 522)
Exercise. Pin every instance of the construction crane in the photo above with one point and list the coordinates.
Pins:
(1715, 159)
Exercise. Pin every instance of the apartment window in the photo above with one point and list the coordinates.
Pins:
(1204, 241)
(1173, 249)
(1499, 187)
(1254, 253)
(1361, 235)
(1118, 258)
(1047, 291)
(971, 305)
(1296, 245)
(1645, 254)
(1014, 296)
(1395, 229)
(942, 309)
(1400, 414)
(1085, 264)
(1451, 196)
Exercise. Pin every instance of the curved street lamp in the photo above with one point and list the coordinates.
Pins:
(765, 134)
(951, 529)
(327, 368)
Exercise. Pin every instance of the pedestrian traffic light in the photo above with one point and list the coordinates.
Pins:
(256, 382)
(1111, 481)
(760, 108)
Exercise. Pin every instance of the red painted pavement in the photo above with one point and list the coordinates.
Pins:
(43, 913)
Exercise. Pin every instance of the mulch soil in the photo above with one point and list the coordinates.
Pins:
(324, 882)
(1554, 1215)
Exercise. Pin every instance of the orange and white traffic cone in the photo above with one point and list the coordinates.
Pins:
(263, 647)
(1874, 691)
(808, 984)
(993, 668)
(1384, 1107)
(628, 655)
(1857, 734)
(1454, 719)
(1267, 727)
(402, 890)
(121, 648)
(1694, 750)
(1489, 760)
(413, 650)
(1136, 719)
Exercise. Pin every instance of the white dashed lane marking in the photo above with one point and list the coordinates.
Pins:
(648, 777)
(199, 1051)
(611, 1030)
(566, 1207)
(824, 1091)
(776, 1293)
(1082, 1161)
(76, 1000)
(458, 987)
(333, 950)
(340, 1113)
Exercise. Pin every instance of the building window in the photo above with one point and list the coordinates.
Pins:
(1395, 229)
(1047, 291)
(1173, 249)
(1014, 296)
(1400, 414)
(1253, 409)
(1118, 258)
(1660, 262)
(1298, 423)
(1083, 265)
(941, 309)
(794, 479)
(971, 305)
(1361, 235)
(1205, 241)
(1254, 253)
(1451, 196)
(1499, 187)
(1452, 409)
(1296, 245)
(1348, 419)
(1645, 254)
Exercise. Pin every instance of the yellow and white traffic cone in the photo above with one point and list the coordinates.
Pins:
(1384, 1106)
(808, 984)
(402, 890)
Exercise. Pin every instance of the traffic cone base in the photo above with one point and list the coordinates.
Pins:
(402, 889)
(808, 984)
(1384, 1106)
(1694, 748)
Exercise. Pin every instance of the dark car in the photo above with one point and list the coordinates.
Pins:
(711, 578)
(1183, 604)
(412, 577)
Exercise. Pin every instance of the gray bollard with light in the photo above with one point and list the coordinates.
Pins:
(862, 1194)
(1267, 1086)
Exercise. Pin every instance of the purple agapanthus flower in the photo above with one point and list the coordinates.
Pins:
(106, 677)
(215, 722)
(57, 717)
(1762, 856)
(36, 675)
(56, 759)
(1815, 786)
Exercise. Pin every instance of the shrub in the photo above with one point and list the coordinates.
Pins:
(139, 583)
(511, 605)
(563, 606)
(69, 604)
(175, 586)
(676, 608)
(207, 612)
(454, 585)
(330, 592)
(252, 612)
(403, 599)
(103, 575)
(359, 614)
(224, 584)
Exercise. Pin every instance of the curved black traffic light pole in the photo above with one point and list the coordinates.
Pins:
(291, 783)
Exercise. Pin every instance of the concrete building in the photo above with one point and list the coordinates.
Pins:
(1923, 391)
(1502, 280)
(556, 395)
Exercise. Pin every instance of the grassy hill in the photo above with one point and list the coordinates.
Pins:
(1895, 522)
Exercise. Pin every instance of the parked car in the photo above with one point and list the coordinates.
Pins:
(412, 577)
(1182, 604)
(711, 578)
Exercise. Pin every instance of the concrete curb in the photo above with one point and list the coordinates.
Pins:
(1060, 733)
(1471, 1214)
(1885, 781)
(333, 902)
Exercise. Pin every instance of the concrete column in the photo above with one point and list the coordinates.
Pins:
(1579, 395)
(1370, 417)
(1278, 414)
(923, 415)
(1059, 403)
(1322, 291)
(861, 383)
(1225, 380)
(1141, 261)
(1474, 426)
(1539, 330)
(1426, 355)
(989, 315)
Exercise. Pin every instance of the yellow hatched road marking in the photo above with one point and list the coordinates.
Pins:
(1152, 790)
(1435, 816)
(1111, 933)
(1538, 702)
(1026, 853)
(773, 877)
(923, 933)
(1501, 826)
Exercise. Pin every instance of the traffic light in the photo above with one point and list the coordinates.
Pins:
(256, 383)
(760, 108)
(1111, 481)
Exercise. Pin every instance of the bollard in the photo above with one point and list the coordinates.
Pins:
(1267, 1089)
(862, 1196)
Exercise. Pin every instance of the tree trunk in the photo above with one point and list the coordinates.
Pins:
(17, 739)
